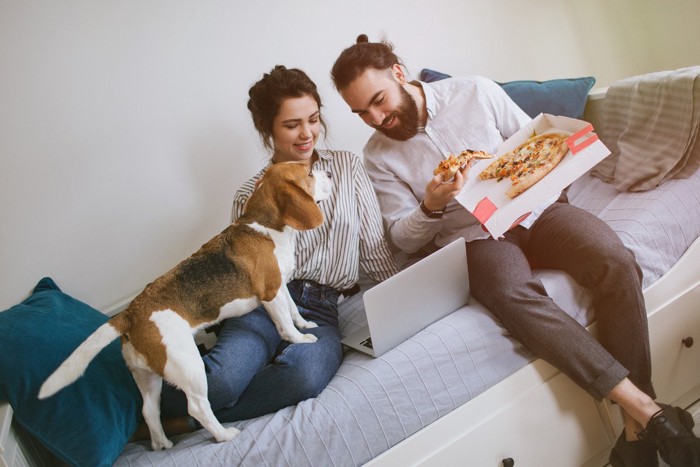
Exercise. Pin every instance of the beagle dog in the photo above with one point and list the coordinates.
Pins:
(247, 264)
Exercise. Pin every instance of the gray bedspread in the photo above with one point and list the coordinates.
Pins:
(372, 404)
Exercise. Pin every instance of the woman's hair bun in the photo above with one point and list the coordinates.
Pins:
(362, 38)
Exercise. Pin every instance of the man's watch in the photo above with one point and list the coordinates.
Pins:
(437, 214)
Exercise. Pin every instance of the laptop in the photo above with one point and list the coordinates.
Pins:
(416, 297)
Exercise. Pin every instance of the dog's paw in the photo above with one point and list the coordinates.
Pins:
(299, 338)
(308, 325)
(228, 434)
(308, 339)
(160, 444)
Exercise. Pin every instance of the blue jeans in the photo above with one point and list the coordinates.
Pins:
(252, 372)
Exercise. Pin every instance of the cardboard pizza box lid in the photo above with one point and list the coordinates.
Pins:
(487, 199)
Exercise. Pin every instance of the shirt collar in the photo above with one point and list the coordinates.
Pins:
(323, 154)
(430, 102)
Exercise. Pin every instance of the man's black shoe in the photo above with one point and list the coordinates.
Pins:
(640, 453)
(671, 430)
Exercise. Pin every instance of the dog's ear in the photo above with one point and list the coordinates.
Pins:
(299, 210)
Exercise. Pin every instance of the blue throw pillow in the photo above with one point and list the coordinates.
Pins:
(565, 97)
(88, 422)
(427, 75)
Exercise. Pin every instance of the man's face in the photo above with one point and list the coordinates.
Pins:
(382, 103)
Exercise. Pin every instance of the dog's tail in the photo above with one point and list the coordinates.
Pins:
(74, 366)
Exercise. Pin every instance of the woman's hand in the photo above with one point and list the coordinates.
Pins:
(439, 192)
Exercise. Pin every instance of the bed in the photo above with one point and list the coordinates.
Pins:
(462, 391)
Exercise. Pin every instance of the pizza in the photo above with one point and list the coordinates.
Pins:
(449, 167)
(528, 163)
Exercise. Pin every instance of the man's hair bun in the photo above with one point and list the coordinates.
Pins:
(363, 54)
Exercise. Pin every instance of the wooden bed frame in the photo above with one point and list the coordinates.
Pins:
(536, 416)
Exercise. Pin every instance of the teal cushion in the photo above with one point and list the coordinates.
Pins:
(565, 97)
(88, 422)
(427, 75)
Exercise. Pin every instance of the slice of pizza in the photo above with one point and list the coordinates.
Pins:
(449, 167)
(546, 154)
(528, 163)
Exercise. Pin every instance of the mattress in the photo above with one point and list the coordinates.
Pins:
(657, 225)
(372, 404)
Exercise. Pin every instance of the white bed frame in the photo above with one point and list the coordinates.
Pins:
(537, 416)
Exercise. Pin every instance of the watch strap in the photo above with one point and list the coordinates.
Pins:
(431, 214)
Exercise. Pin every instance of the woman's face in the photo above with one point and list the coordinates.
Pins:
(295, 129)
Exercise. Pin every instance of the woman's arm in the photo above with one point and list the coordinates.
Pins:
(375, 256)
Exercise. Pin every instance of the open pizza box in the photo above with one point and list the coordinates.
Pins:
(487, 200)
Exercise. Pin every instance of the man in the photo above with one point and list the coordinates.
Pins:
(416, 125)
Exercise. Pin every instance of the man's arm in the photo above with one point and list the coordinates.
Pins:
(508, 116)
(408, 227)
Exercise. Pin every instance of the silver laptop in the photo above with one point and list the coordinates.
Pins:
(414, 298)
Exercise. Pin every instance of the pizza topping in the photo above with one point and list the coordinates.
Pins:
(528, 163)
(449, 167)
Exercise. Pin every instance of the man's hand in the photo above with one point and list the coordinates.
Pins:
(439, 192)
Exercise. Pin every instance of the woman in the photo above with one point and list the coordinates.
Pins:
(250, 370)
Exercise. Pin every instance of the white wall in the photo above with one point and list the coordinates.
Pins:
(123, 124)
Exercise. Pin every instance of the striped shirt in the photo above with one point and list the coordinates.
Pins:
(352, 234)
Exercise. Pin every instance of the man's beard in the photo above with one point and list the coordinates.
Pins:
(407, 113)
